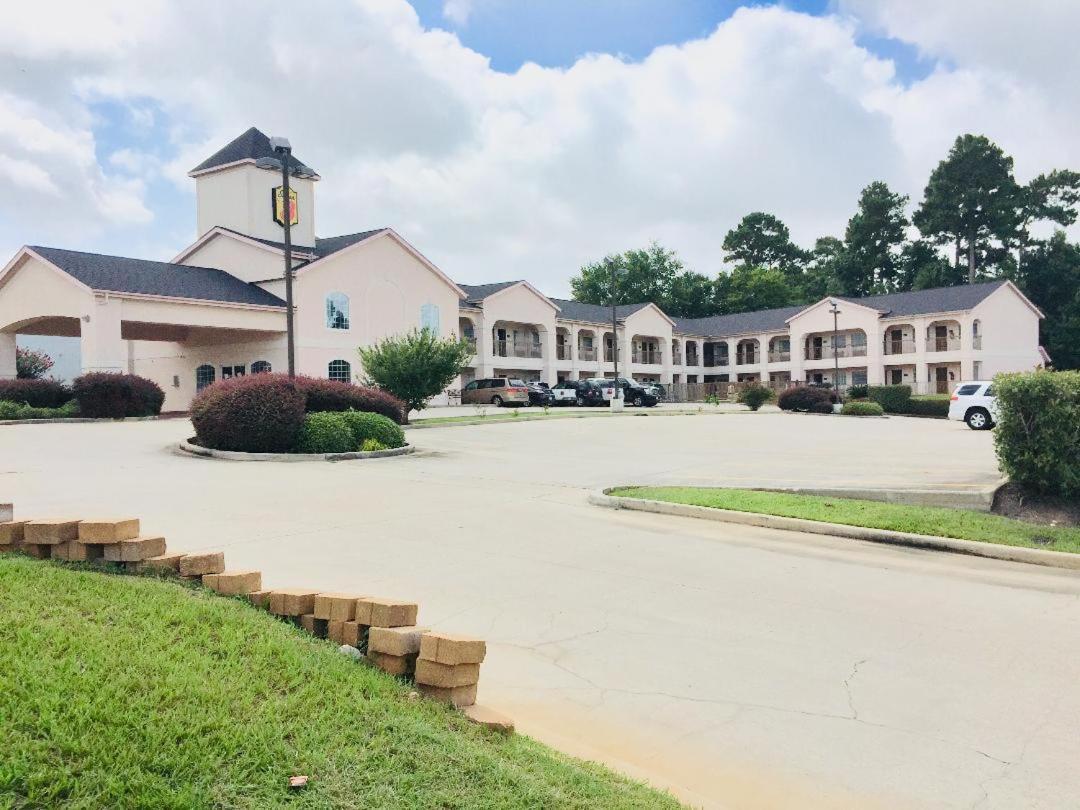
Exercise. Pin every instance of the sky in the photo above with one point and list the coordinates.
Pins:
(511, 139)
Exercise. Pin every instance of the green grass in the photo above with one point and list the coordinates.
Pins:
(935, 521)
(122, 691)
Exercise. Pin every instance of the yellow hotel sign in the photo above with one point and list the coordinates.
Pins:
(279, 206)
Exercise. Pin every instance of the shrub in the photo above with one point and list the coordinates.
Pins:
(1037, 439)
(807, 398)
(20, 410)
(373, 426)
(331, 395)
(372, 445)
(862, 409)
(415, 367)
(260, 413)
(31, 364)
(857, 391)
(326, 432)
(36, 393)
(106, 395)
(754, 396)
(932, 405)
(892, 398)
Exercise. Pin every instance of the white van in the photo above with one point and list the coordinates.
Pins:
(974, 403)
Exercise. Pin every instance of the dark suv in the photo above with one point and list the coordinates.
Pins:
(634, 393)
(538, 393)
(578, 392)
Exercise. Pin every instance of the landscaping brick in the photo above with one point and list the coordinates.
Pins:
(433, 673)
(12, 532)
(292, 601)
(51, 532)
(37, 551)
(74, 551)
(108, 531)
(259, 599)
(336, 606)
(317, 627)
(379, 612)
(354, 634)
(134, 550)
(459, 696)
(395, 640)
(234, 583)
(446, 648)
(399, 665)
(195, 565)
(489, 718)
(335, 630)
(163, 562)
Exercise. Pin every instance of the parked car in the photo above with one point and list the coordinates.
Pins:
(496, 391)
(657, 390)
(974, 403)
(607, 386)
(578, 392)
(538, 394)
(640, 394)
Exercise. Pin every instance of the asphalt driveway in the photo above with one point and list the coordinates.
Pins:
(742, 667)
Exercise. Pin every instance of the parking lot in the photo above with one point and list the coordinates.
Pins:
(741, 667)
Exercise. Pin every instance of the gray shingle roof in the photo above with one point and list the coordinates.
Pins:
(123, 275)
(918, 302)
(475, 293)
(251, 145)
(593, 313)
(323, 247)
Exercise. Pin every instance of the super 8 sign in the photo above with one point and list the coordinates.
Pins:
(278, 198)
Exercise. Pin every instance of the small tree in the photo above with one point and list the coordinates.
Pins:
(754, 396)
(415, 367)
(31, 364)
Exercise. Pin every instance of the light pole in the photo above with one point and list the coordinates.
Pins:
(616, 395)
(836, 358)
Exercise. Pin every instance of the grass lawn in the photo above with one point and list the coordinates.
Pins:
(937, 521)
(121, 691)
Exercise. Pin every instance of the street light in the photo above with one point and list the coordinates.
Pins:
(836, 358)
(283, 149)
(616, 395)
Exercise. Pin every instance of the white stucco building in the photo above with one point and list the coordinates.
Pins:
(217, 310)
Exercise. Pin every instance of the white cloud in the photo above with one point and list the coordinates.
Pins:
(457, 11)
(525, 175)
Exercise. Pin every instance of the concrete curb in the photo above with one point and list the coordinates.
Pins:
(232, 455)
(1033, 556)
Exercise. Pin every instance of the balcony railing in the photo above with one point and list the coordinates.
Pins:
(976, 341)
(676, 357)
(902, 346)
(826, 352)
(746, 359)
(516, 348)
(692, 359)
(713, 362)
(779, 356)
(562, 352)
(586, 353)
(646, 357)
(943, 344)
(471, 340)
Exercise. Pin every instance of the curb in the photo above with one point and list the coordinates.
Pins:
(233, 455)
(1033, 556)
(79, 420)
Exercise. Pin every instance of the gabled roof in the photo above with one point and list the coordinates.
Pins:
(322, 249)
(248, 147)
(763, 320)
(594, 313)
(120, 274)
(475, 293)
(925, 302)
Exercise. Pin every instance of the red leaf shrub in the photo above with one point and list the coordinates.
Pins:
(107, 395)
(807, 398)
(36, 393)
(331, 395)
(261, 413)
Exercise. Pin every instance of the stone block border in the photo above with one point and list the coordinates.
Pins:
(1034, 556)
(379, 630)
(232, 455)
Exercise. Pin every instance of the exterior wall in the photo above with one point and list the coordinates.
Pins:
(241, 259)
(1009, 332)
(34, 290)
(240, 198)
(648, 322)
(522, 307)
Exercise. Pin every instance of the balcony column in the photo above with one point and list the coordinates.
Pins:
(101, 347)
(922, 359)
(8, 366)
(666, 360)
(763, 357)
(798, 357)
(484, 361)
(572, 347)
(875, 357)
(547, 353)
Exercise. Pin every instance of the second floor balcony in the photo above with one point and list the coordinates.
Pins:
(586, 353)
(780, 356)
(646, 356)
(943, 344)
(517, 348)
(900, 346)
(826, 352)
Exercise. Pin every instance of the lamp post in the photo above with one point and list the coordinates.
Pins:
(836, 358)
(616, 395)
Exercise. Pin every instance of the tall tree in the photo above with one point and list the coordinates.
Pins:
(641, 275)
(1049, 197)
(922, 266)
(747, 288)
(822, 278)
(971, 200)
(1050, 277)
(762, 240)
(873, 242)
(691, 296)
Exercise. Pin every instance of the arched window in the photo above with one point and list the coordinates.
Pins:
(340, 370)
(260, 367)
(429, 317)
(337, 311)
(204, 376)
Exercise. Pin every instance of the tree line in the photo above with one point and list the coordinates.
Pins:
(975, 223)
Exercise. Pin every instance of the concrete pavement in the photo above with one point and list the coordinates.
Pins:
(742, 667)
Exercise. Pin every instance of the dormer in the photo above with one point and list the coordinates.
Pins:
(238, 188)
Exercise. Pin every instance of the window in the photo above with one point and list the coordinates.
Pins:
(239, 371)
(472, 386)
(340, 370)
(429, 318)
(204, 376)
(966, 390)
(261, 367)
(858, 378)
(337, 311)
(226, 372)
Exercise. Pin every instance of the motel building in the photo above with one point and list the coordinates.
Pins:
(217, 310)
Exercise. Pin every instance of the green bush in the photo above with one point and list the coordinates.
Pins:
(19, 410)
(754, 396)
(862, 409)
(1037, 437)
(930, 405)
(372, 445)
(892, 398)
(858, 391)
(326, 432)
(364, 426)
(807, 398)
